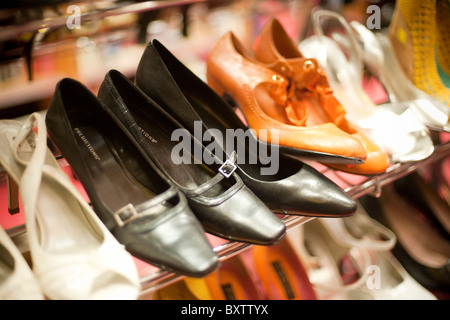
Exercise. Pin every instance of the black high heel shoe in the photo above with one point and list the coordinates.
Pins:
(217, 196)
(295, 188)
(142, 209)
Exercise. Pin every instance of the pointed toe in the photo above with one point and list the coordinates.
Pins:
(243, 217)
(307, 193)
(178, 245)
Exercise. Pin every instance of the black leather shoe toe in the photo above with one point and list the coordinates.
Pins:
(240, 217)
(306, 192)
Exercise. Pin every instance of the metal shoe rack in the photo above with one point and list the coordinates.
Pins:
(155, 279)
(369, 185)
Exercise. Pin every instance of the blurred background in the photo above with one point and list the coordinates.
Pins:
(42, 41)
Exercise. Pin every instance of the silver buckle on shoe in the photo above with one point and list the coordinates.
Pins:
(125, 215)
(229, 166)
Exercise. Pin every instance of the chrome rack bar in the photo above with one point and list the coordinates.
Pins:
(373, 184)
(395, 172)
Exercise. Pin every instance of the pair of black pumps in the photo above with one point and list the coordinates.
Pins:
(158, 203)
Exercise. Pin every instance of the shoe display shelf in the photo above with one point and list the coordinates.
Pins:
(42, 88)
(356, 186)
(151, 277)
(15, 31)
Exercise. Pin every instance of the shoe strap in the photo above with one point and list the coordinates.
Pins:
(36, 167)
(327, 265)
(32, 175)
(130, 212)
(354, 65)
(306, 80)
(372, 47)
(225, 171)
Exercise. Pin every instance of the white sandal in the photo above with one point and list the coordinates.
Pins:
(380, 275)
(379, 57)
(360, 231)
(322, 255)
(73, 255)
(402, 136)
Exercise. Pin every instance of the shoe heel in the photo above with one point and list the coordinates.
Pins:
(13, 195)
(221, 91)
(215, 85)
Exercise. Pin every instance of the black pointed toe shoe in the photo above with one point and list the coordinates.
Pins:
(284, 184)
(218, 197)
(142, 209)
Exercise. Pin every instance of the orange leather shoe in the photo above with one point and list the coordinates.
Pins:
(275, 49)
(265, 97)
(282, 273)
(185, 289)
(232, 281)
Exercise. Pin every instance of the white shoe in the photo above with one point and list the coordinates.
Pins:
(377, 275)
(360, 231)
(393, 282)
(402, 136)
(17, 281)
(379, 57)
(322, 255)
(74, 256)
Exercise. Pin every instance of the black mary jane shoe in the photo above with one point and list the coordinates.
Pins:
(218, 197)
(144, 210)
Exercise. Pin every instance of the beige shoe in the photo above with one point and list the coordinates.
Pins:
(73, 254)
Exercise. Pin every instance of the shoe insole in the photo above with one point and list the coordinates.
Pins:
(62, 226)
(114, 184)
(233, 286)
(181, 161)
(191, 172)
(120, 173)
(285, 278)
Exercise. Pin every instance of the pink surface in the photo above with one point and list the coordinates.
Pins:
(375, 90)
